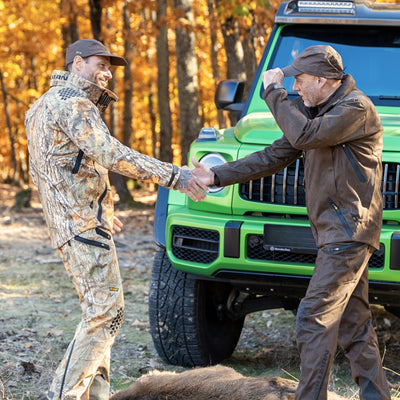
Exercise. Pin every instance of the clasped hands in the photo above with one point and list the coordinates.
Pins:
(194, 182)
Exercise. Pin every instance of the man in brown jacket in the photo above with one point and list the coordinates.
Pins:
(71, 152)
(337, 130)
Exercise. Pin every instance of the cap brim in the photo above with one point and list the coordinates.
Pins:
(115, 60)
(290, 71)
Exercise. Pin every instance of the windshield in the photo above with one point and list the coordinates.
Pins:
(370, 54)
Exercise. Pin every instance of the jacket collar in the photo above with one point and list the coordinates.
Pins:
(99, 96)
(347, 86)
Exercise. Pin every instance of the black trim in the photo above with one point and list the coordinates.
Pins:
(288, 285)
(175, 170)
(353, 163)
(100, 211)
(281, 284)
(395, 251)
(344, 247)
(102, 233)
(78, 162)
(66, 369)
(232, 239)
(90, 242)
(259, 71)
(160, 216)
(340, 216)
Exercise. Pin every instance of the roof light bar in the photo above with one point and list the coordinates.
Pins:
(331, 7)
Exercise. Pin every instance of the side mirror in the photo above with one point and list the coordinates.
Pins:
(228, 92)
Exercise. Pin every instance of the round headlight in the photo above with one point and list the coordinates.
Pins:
(213, 160)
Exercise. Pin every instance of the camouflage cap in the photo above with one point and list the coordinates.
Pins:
(318, 60)
(91, 47)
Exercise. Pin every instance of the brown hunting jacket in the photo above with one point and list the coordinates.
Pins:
(342, 150)
(71, 152)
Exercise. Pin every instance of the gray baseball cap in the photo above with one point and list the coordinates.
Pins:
(318, 60)
(91, 47)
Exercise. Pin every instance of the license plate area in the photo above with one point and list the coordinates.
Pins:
(289, 238)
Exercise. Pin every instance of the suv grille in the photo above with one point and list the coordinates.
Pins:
(286, 187)
(194, 244)
(256, 251)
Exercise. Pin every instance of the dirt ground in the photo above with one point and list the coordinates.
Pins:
(39, 311)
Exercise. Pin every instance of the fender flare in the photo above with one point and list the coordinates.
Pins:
(160, 216)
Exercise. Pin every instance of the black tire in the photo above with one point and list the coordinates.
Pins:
(188, 322)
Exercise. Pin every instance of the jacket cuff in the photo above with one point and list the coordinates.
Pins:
(270, 88)
(175, 174)
(217, 182)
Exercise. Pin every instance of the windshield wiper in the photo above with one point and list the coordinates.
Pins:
(384, 97)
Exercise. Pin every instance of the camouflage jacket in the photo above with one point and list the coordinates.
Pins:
(71, 152)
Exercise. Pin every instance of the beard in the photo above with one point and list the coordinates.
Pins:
(95, 78)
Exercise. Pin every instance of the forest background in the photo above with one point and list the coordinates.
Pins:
(177, 52)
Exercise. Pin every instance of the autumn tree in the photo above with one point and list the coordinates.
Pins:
(163, 65)
(177, 51)
(186, 65)
(70, 31)
(27, 54)
(214, 52)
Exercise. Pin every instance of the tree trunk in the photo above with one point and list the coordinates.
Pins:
(236, 68)
(234, 50)
(127, 136)
(163, 99)
(95, 18)
(11, 175)
(214, 54)
(153, 120)
(70, 32)
(186, 62)
(117, 180)
(250, 59)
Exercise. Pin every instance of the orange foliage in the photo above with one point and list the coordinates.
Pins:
(31, 46)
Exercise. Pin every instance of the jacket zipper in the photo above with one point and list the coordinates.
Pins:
(90, 242)
(340, 216)
(100, 205)
(78, 162)
(353, 163)
(345, 247)
(96, 243)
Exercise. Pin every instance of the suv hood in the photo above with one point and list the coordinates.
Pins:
(391, 131)
(260, 128)
(257, 128)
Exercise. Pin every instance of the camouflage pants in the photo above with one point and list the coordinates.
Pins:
(91, 262)
(335, 311)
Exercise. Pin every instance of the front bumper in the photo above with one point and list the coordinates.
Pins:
(204, 244)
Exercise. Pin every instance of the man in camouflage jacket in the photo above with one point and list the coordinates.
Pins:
(71, 152)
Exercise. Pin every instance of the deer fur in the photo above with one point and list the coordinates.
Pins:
(210, 383)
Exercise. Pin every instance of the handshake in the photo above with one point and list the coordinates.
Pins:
(194, 182)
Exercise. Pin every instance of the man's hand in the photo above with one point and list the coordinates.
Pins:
(117, 225)
(189, 184)
(204, 174)
(272, 76)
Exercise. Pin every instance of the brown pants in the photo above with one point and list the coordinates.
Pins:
(335, 311)
(91, 262)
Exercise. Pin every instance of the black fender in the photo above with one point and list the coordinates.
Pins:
(160, 216)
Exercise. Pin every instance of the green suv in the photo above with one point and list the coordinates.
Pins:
(249, 247)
